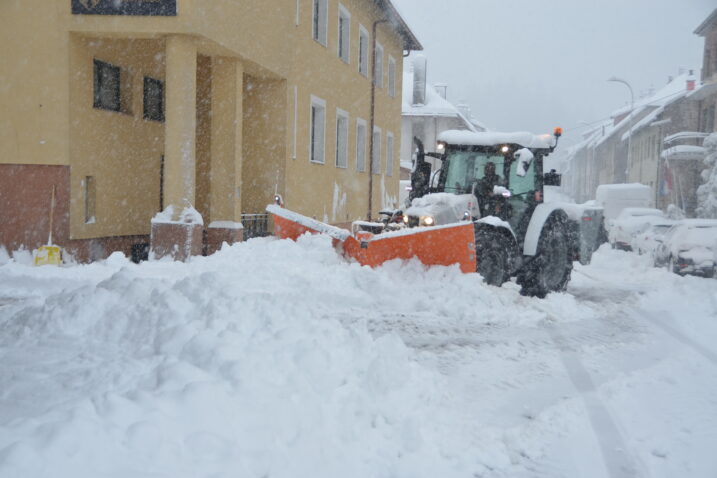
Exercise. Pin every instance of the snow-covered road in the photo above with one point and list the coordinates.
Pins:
(274, 358)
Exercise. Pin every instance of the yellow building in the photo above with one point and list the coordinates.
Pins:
(132, 108)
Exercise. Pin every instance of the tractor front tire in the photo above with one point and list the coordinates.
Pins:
(549, 270)
(492, 257)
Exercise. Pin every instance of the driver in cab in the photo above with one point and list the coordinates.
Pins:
(489, 204)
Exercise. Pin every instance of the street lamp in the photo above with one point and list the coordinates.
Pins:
(629, 123)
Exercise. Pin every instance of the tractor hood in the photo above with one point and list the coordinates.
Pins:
(444, 208)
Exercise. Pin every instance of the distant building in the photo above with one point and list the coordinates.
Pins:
(426, 113)
(707, 97)
(638, 136)
(128, 107)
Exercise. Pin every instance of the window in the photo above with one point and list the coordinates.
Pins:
(153, 99)
(319, 23)
(90, 201)
(376, 151)
(342, 138)
(378, 66)
(344, 34)
(107, 86)
(363, 51)
(389, 154)
(112, 88)
(318, 124)
(360, 145)
(391, 76)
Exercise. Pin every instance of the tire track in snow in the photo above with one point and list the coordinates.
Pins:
(616, 457)
(680, 337)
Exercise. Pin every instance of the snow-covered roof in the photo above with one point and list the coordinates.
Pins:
(485, 138)
(672, 91)
(435, 104)
(701, 30)
(641, 211)
(685, 135)
(684, 152)
(410, 42)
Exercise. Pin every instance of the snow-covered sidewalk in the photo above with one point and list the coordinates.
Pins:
(274, 358)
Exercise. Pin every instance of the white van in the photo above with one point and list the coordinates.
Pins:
(613, 198)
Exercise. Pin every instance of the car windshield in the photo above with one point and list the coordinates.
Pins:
(467, 167)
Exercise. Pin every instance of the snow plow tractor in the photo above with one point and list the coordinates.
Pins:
(481, 208)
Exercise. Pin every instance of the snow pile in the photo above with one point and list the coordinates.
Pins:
(188, 215)
(256, 361)
(226, 225)
(279, 358)
(446, 208)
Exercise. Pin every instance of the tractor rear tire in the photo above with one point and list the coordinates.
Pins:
(492, 257)
(549, 270)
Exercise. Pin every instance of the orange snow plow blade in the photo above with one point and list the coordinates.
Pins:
(438, 245)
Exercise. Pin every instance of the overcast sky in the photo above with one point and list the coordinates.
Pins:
(531, 65)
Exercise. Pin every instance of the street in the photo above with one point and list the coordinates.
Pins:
(279, 358)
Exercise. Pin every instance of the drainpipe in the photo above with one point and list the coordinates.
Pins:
(372, 117)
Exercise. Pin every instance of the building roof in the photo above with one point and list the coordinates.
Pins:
(435, 105)
(684, 152)
(670, 93)
(705, 25)
(410, 42)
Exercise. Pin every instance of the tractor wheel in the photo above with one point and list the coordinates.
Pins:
(492, 257)
(549, 270)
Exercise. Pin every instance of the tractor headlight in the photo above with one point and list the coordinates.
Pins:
(405, 218)
(440, 146)
(427, 220)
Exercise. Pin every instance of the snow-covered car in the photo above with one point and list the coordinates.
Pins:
(630, 222)
(689, 248)
(647, 241)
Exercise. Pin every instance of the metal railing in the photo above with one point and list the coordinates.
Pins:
(255, 225)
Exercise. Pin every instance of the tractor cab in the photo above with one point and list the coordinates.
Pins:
(492, 174)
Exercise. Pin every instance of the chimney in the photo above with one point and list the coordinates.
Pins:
(419, 80)
(442, 89)
(690, 85)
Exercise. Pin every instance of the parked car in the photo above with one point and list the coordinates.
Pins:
(630, 222)
(689, 248)
(647, 241)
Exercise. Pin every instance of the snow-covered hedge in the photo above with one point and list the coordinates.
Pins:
(707, 192)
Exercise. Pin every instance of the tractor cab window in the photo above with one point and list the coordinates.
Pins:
(521, 202)
(521, 185)
(469, 169)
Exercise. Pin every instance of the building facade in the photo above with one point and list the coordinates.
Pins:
(169, 121)
(427, 113)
